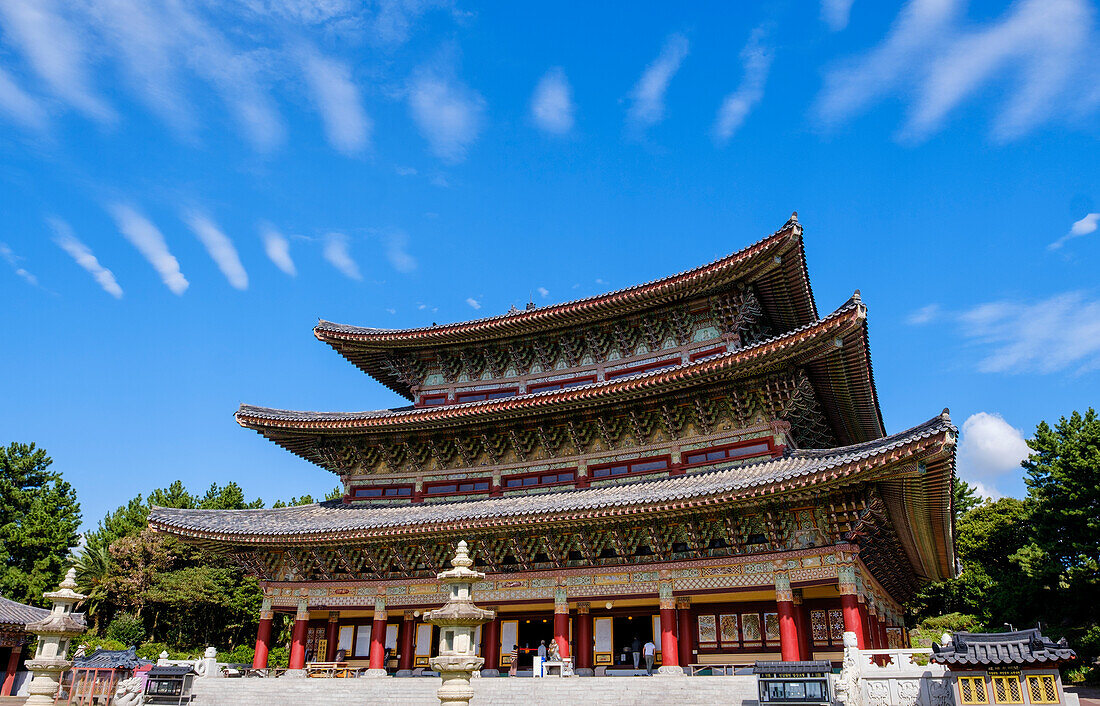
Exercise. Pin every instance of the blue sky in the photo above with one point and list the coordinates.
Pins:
(187, 186)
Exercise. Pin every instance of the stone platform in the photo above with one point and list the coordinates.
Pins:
(593, 691)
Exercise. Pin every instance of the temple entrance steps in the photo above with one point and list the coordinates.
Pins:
(591, 691)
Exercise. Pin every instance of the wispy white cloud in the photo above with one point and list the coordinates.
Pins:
(405, 171)
(448, 114)
(474, 303)
(552, 106)
(647, 105)
(924, 315)
(756, 60)
(150, 242)
(219, 246)
(835, 13)
(1085, 226)
(1053, 335)
(1043, 44)
(19, 105)
(56, 52)
(397, 251)
(336, 250)
(13, 261)
(66, 239)
(990, 451)
(347, 124)
(543, 292)
(277, 248)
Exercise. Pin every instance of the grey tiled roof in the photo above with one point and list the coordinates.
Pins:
(12, 613)
(269, 413)
(335, 517)
(1019, 647)
(111, 659)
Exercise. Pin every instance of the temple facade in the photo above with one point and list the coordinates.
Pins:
(699, 460)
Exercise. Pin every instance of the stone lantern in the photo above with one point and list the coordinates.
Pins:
(54, 632)
(456, 620)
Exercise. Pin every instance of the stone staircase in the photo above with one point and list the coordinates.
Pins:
(592, 691)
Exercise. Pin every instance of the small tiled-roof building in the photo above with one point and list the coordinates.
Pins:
(1019, 667)
(699, 460)
(14, 618)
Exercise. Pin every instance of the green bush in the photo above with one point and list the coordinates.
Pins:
(94, 642)
(126, 628)
(932, 629)
(241, 654)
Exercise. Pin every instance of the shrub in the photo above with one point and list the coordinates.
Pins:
(932, 629)
(126, 628)
(241, 654)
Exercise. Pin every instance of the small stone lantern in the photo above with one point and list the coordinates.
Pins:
(456, 620)
(54, 632)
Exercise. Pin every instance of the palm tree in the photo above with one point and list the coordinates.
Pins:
(92, 567)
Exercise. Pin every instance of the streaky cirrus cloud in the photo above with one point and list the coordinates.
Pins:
(835, 13)
(1085, 226)
(756, 60)
(990, 451)
(55, 50)
(447, 113)
(397, 251)
(1052, 335)
(474, 303)
(150, 242)
(929, 56)
(219, 247)
(13, 260)
(337, 251)
(647, 106)
(347, 125)
(19, 105)
(552, 106)
(924, 315)
(81, 254)
(277, 248)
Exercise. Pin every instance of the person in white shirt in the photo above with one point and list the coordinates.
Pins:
(650, 652)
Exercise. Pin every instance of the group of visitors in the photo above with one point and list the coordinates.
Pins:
(636, 651)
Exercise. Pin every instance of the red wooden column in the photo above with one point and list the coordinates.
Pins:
(883, 638)
(377, 664)
(331, 633)
(670, 650)
(802, 622)
(584, 637)
(849, 604)
(788, 626)
(13, 667)
(263, 636)
(490, 642)
(408, 630)
(685, 636)
(298, 636)
(561, 621)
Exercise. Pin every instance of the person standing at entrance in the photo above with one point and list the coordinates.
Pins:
(636, 649)
(513, 661)
(650, 651)
(541, 659)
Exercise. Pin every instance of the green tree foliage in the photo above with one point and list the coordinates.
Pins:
(1033, 560)
(127, 629)
(39, 519)
(966, 497)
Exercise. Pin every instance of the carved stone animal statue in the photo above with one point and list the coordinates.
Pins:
(128, 692)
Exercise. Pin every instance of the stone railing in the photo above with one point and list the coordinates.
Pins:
(891, 678)
(205, 666)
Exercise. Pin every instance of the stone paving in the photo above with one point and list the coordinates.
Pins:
(595, 691)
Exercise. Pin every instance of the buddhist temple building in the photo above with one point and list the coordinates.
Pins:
(699, 460)
(14, 637)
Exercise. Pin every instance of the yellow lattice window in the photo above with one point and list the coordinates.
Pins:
(1042, 689)
(972, 690)
(1006, 690)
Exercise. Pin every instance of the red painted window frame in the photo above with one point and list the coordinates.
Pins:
(512, 392)
(768, 441)
(409, 496)
(521, 476)
(427, 492)
(554, 385)
(706, 354)
(718, 609)
(630, 464)
(655, 365)
(442, 397)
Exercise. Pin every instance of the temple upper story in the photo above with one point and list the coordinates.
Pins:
(719, 307)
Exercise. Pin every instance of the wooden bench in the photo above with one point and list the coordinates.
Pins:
(332, 670)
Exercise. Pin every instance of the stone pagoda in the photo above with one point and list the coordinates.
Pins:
(54, 632)
(457, 621)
